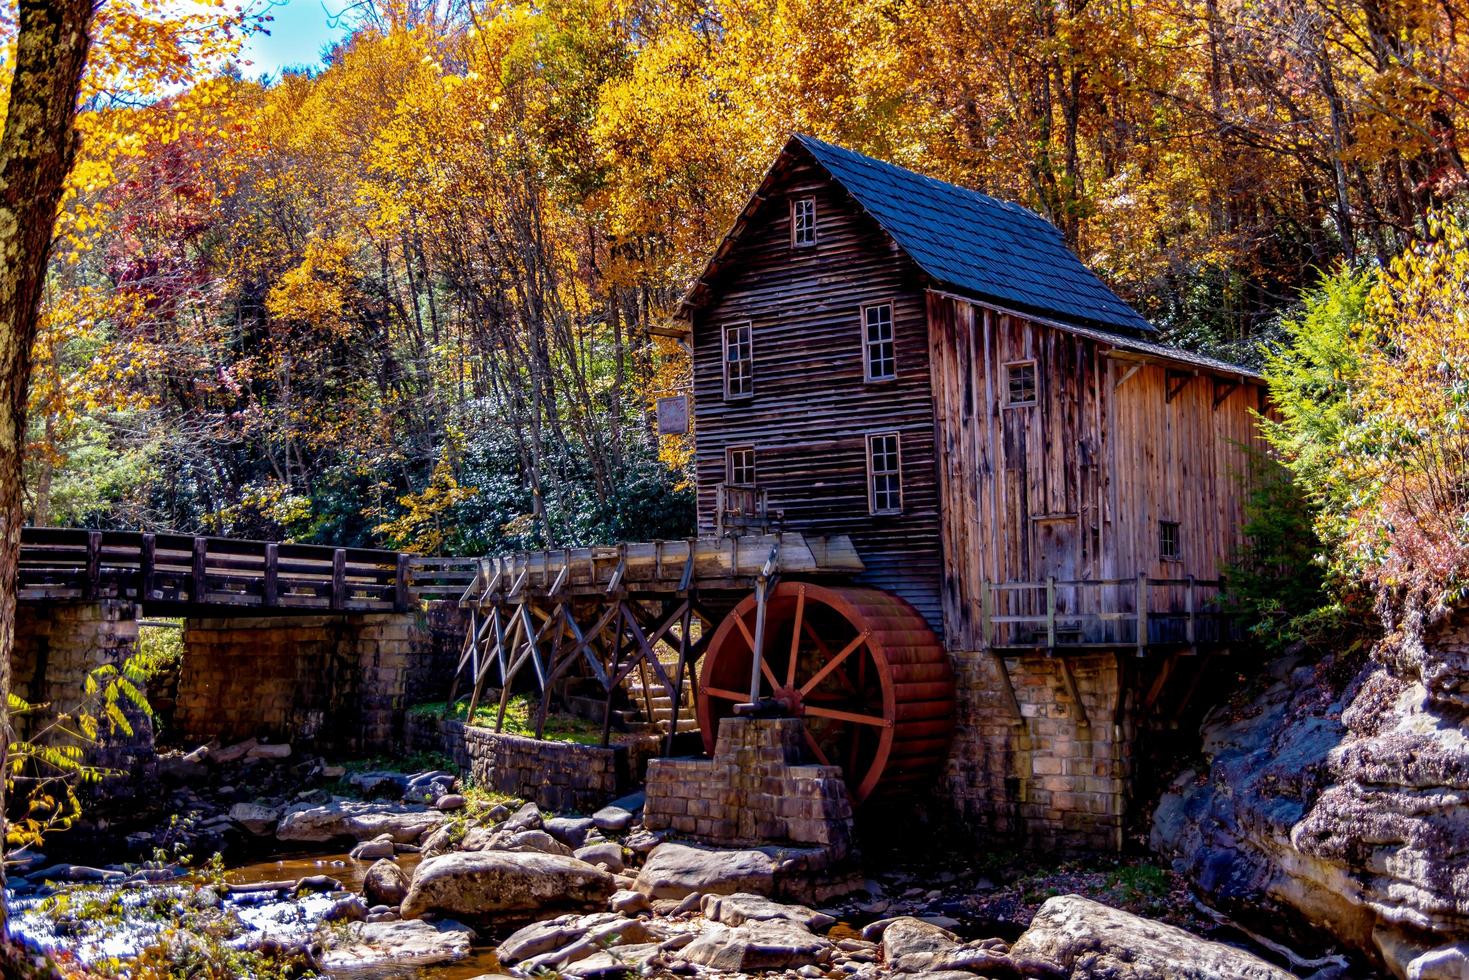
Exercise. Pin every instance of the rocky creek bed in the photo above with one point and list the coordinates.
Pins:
(442, 882)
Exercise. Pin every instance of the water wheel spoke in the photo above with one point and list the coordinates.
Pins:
(719, 692)
(815, 749)
(834, 662)
(877, 721)
(796, 638)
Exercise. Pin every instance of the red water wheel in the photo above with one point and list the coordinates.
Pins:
(859, 666)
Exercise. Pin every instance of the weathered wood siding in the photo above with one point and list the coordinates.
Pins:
(1075, 486)
(812, 410)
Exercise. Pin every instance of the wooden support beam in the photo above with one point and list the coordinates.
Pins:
(147, 559)
(1069, 679)
(1176, 381)
(1223, 388)
(1165, 670)
(271, 584)
(402, 598)
(1131, 370)
(339, 579)
(1007, 691)
(198, 587)
(91, 578)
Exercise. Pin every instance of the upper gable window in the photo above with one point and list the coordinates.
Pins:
(739, 362)
(1020, 383)
(880, 362)
(803, 221)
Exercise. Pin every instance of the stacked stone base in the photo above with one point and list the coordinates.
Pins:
(754, 791)
(565, 777)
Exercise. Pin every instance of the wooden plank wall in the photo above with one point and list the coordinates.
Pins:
(1075, 486)
(812, 408)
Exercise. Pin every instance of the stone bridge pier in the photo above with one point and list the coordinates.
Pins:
(337, 682)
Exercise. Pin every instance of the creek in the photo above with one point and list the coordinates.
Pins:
(120, 920)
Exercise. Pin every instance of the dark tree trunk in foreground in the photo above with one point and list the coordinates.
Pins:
(36, 153)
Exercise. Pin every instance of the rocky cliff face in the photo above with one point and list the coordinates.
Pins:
(1337, 799)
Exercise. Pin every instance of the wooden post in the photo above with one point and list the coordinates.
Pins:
(339, 578)
(986, 611)
(1051, 614)
(199, 586)
(1188, 605)
(759, 640)
(90, 584)
(270, 588)
(147, 558)
(401, 598)
(1142, 613)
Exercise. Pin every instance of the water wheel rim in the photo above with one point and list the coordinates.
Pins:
(841, 602)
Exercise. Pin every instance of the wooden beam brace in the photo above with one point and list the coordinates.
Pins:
(1223, 388)
(1176, 382)
(1069, 679)
(1131, 370)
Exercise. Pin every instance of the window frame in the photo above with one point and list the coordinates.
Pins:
(797, 204)
(1167, 529)
(730, 466)
(1035, 383)
(867, 345)
(724, 345)
(872, 474)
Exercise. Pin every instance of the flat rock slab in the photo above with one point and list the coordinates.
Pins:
(677, 870)
(733, 910)
(356, 820)
(258, 820)
(409, 943)
(1087, 939)
(482, 884)
(773, 945)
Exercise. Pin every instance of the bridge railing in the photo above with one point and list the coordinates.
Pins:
(187, 570)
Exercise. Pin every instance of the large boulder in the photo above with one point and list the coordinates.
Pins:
(385, 884)
(356, 820)
(1087, 939)
(1335, 797)
(569, 939)
(733, 910)
(911, 945)
(488, 884)
(258, 820)
(679, 870)
(366, 946)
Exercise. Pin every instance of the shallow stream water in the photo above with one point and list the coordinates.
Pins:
(285, 918)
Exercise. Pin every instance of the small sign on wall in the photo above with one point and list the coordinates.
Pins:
(673, 415)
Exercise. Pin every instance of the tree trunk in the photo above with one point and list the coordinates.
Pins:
(36, 152)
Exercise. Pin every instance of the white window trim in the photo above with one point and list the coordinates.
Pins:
(1036, 396)
(866, 347)
(724, 356)
(729, 476)
(871, 482)
(795, 203)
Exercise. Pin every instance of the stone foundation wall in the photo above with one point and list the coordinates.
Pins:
(1040, 776)
(336, 682)
(57, 646)
(754, 791)
(560, 776)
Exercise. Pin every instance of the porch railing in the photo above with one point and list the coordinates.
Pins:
(1139, 612)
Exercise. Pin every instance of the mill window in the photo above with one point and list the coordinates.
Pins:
(739, 362)
(739, 466)
(1020, 383)
(881, 361)
(1170, 547)
(803, 221)
(884, 474)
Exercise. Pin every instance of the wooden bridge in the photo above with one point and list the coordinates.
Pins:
(186, 574)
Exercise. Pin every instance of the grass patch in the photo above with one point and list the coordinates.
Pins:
(520, 719)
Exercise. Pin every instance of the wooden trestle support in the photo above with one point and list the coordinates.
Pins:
(771, 618)
(605, 612)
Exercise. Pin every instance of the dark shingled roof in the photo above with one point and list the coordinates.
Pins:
(977, 244)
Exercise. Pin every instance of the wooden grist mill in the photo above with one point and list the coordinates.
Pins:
(860, 667)
(960, 513)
